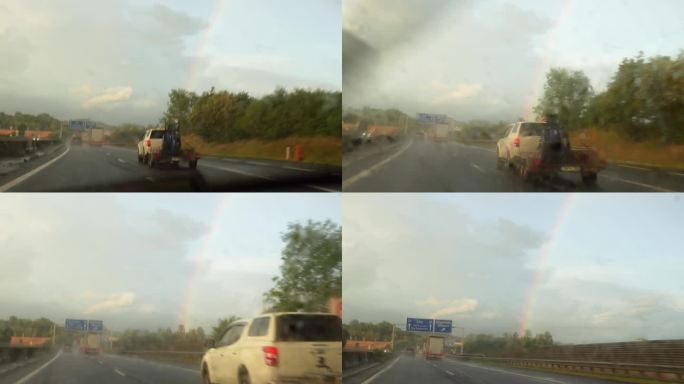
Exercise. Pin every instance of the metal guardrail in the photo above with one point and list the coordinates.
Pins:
(672, 373)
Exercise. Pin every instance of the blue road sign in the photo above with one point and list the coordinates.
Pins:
(76, 325)
(431, 118)
(95, 326)
(419, 325)
(77, 124)
(443, 326)
(90, 124)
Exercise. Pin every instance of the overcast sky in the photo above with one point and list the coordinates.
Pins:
(488, 59)
(116, 60)
(587, 268)
(146, 261)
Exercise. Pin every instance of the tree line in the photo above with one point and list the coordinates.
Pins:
(15, 326)
(223, 116)
(23, 121)
(643, 100)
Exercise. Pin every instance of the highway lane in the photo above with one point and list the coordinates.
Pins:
(76, 368)
(407, 369)
(84, 168)
(424, 166)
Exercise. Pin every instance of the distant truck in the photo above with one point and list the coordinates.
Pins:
(97, 136)
(434, 347)
(85, 137)
(439, 132)
(91, 344)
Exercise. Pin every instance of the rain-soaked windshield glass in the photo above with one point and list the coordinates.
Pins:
(430, 87)
(254, 85)
(147, 288)
(513, 288)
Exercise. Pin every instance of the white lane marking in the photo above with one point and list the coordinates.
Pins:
(297, 168)
(108, 153)
(320, 188)
(653, 187)
(30, 375)
(258, 163)
(99, 361)
(545, 379)
(476, 147)
(676, 173)
(150, 179)
(119, 372)
(137, 359)
(32, 173)
(238, 172)
(477, 167)
(387, 368)
(120, 160)
(449, 372)
(363, 174)
(633, 167)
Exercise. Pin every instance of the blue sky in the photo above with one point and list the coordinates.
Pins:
(129, 259)
(487, 59)
(115, 61)
(608, 268)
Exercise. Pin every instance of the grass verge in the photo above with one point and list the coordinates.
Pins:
(319, 150)
(616, 148)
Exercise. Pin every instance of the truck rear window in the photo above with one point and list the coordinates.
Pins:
(309, 328)
(533, 129)
(156, 134)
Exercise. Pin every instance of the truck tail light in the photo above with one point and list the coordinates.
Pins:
(516, 141)
(270, 356)
(536, 162)
(148, 142)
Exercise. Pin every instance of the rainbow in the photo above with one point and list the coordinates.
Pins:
(543, 62)
(219, 5)
(545, 254)
(199, 261)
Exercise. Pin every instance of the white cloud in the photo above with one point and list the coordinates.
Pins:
(115, 301)
(458, 306)
(461, 91)
(109, 95)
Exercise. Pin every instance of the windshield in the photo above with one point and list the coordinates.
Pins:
(447, 78)
(259, 114)
(308, 328)
(512, 288)
(145, 288)
(156, 134)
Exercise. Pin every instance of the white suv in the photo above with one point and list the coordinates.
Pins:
(520, 140)
(150, 143)
(289, 347)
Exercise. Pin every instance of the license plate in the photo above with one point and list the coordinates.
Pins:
(175, 158)
(570, 169)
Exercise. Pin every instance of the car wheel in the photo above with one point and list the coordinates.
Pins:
(244, 377)
(140, 158)
(150, 160)
(525, 172)
(192, 164)
(589, 178)
(508, 160)
(499, 160)
(205, 376)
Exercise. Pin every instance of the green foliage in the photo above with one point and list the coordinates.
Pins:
(369, 331)
(127, 134)
(23, 121)
(311, 272)
(15, 326)
(226, 116)
(567, 95)
(162, 340)
(180, 106)
(644, 99)
(507, 345)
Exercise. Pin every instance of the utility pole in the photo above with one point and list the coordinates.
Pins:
(392, 343)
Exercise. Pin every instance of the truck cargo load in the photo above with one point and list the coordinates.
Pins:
(434, 348)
